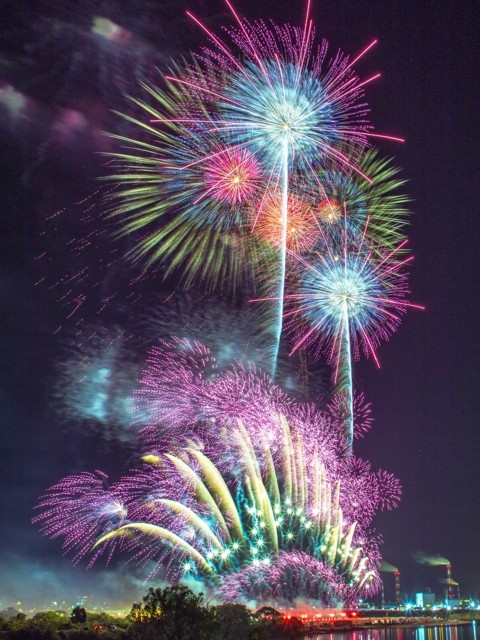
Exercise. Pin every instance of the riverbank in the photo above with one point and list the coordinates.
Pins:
(382, 623)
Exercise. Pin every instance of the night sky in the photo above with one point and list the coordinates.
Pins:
(59, 82)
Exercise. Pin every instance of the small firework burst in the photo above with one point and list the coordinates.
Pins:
(339, 408)
(302, 232)
(329, 211)
(232, 177)
(76, 509)
(347, 198)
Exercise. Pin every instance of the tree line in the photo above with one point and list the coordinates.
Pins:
(170, 613)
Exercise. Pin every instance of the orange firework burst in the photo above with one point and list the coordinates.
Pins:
(329, 211)
(302, 228)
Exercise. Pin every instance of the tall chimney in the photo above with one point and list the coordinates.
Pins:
(450, 583)
(398, 593)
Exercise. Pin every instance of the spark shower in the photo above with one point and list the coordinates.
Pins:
(251, 169)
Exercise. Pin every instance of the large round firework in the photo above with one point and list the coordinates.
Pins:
(284, 96)
(184, 194)
(349, 296)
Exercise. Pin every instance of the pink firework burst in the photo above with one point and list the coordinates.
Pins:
(233, 177)
(78, 509)
(237, 480)
(294, 575)
(364, 491)
(339, 409)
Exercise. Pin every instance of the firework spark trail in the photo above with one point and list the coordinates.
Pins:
(345, 358)
(283, 255)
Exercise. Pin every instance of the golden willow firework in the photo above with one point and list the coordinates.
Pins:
(230, 485)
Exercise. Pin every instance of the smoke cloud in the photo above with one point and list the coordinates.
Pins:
(432, 561)
(386, 567)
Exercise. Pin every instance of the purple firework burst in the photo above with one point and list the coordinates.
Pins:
(260, 486)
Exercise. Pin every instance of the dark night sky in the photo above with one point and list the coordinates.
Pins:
(426, 398)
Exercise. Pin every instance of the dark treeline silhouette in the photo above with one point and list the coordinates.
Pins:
(171, 613)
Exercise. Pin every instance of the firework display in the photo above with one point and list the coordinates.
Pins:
(250, 174)
(228, 135)
(227, 485)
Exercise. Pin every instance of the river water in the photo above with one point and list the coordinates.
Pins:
(443, 632)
